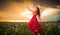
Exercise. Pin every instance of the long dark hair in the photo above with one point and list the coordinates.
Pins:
(38, 11)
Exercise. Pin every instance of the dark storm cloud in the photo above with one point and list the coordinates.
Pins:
(19, 0)
(4, 3)
(47, 3)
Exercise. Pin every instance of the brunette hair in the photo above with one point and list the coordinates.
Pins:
(38, 11)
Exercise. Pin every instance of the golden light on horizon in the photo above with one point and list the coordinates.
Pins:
(26, 15)
(14, 20)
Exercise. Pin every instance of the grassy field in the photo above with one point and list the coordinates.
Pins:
(20, 28)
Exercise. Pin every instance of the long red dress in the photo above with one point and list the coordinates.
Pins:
(34, 26)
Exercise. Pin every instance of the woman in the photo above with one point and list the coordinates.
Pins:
(33, 25)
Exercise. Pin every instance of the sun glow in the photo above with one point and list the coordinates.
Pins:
(27, 14)
(14, 21)
(46, 12)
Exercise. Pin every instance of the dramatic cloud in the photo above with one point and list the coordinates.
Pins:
(4, 3)
(18, 9)
(47, 3)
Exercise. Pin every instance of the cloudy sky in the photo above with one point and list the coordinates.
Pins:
(16, 10)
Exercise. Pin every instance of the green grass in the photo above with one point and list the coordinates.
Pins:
(20, 28)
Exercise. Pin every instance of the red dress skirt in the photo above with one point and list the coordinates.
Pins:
(34, 26)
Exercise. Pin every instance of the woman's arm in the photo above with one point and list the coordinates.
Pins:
(29, 9)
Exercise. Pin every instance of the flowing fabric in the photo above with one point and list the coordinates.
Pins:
(34, 26)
